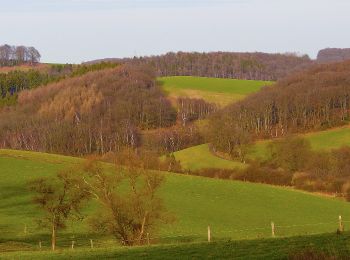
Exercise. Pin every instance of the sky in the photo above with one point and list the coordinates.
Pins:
(74, 31)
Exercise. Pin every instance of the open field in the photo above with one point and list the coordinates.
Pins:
(40, 67)
(249, 249)
(323, 140)
(234, 210)
(199, 157)
(220, 91)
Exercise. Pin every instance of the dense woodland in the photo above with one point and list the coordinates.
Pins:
(96, 113)
(315, 99)
(13, 82)
(17, 55)
(257, 66)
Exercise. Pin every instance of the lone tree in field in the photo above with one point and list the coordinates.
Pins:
(130, 206)
(60, 198)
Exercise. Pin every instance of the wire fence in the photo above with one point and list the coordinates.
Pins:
(40, 241)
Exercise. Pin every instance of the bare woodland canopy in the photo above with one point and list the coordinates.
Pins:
(16, 55)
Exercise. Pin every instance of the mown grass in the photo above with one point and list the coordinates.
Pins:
(200, 157)
(220, 91)
(234, 210)
(331, 244)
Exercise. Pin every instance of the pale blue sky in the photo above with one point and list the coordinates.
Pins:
(81, 30)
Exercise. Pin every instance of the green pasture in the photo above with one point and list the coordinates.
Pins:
(234, 210)
(320, 141)
(220, 91)
(200, 157)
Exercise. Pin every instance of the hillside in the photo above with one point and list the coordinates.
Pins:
(320, 141)
(307, 101)
(97, 111)
(200, 157)
(269, 249)
(234, 210)
(219, 91)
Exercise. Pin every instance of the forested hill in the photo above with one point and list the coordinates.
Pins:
(314, 99)
(98, 112)
(333, 54)
(255, 66)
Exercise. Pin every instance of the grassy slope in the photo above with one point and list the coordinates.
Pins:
(228, 206)
(323, 140)
(220, 91)
(255, 249)
(200, 157)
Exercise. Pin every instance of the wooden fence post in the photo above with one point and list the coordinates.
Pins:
(273, 229)
(341, 225)
(73, 242)
(209, 234)
(40, 245)
(92, 244)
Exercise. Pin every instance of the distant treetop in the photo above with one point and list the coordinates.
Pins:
(17, 55)
(333, 55)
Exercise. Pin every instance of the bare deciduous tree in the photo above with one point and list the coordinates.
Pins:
(130, 205)
(59, 198)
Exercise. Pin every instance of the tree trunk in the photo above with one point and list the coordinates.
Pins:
(53, 238)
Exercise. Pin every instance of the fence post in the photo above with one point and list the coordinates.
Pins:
(73, 242)
(273, 229)
(91, 244)
(148, 243)
(40, 245)
(209, 234)
(341, 225)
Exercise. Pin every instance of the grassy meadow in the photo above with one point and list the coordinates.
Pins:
(219, 91)
(249, 249)
(234, 210)
(199, 157)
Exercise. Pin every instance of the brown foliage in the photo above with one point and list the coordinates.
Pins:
(315, 99)
(262, 66)
(96, 113)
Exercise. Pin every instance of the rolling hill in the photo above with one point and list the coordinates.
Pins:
(219, 91)
(322, 140)
(234, 210)
(199, 157)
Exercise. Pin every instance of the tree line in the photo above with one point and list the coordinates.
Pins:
(254, 66)
(17, 55)
(315, 99)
